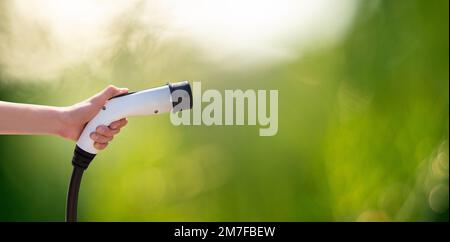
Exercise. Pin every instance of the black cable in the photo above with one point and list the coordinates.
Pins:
(80, 162)
(72, 195)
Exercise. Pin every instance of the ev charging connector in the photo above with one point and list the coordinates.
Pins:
(171, 97)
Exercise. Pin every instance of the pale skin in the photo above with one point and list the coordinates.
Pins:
(66, 122)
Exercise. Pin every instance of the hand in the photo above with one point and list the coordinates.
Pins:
(78, 115)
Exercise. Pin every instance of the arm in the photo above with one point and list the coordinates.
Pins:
(66, 122)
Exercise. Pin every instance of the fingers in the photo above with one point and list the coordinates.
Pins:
(118, 124)
(100, 146)
(106, 131)
(108, 93)
(104, 134)
(98, 138)
(112, 129)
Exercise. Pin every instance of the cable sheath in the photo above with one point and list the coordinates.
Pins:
(72, 195)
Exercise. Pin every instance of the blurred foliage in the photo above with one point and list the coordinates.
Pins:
(363, 134)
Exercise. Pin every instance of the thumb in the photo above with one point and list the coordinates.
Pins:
(108, 93)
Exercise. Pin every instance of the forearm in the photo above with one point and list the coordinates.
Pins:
(30, 119)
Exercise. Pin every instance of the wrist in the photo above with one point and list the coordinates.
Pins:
(62, 121)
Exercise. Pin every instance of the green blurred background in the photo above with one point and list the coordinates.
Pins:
(363, 130)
